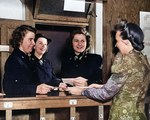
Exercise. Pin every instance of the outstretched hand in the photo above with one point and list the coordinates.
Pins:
(80, 81)
(74, 90)
(43, 88)
(62, 87)
(95, 86)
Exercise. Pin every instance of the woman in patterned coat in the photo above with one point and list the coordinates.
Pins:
(130, 77)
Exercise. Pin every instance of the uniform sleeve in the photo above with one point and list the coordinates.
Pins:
(54, 80)
(96, 76)
(64, 68)
(112, 87)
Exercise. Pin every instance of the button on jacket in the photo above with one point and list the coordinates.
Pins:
(18, 76)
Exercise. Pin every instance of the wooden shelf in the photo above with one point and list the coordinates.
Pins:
(60, 23)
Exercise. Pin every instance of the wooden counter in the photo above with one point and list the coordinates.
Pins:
(55, 100)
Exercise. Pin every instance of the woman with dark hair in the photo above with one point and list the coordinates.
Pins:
(18, 75)
(43, 67)
(130, 77)
(80, 64)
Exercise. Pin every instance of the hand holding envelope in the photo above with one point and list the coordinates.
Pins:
(79, 81)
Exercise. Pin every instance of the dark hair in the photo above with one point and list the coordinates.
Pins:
(132, 32)
(84, 32)
(38, 35)
(19, 33)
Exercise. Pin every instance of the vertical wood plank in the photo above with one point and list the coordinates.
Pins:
(29, 10)
(72, 113)
(42, 113)
(8, 114)
(101, 114)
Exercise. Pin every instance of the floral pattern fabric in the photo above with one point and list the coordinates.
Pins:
(127, 86)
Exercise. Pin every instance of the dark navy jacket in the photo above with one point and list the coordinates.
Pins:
(87, 66)
(18, 76)
(43, 71)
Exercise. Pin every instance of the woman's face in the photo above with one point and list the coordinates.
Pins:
(79, 43)
(26, 45)
(120, 44)
(40, 46)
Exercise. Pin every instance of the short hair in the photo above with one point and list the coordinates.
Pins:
(132, 32)
(84, 32)
(19, 33)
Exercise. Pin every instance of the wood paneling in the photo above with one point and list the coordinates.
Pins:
(113, 12)
(29, 9)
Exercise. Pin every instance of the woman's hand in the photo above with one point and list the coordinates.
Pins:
(80, 81)
(95, 86)
(74, 90)
(43, 88)
(62, 87)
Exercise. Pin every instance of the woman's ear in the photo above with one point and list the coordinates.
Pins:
(20, 43)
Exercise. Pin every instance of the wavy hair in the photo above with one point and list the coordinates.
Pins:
(19, 33)
(80, 31)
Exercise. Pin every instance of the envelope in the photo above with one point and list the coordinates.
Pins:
(68, 80)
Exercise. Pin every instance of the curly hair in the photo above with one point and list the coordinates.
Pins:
(132, 32)
(84, 32)
(19, 33)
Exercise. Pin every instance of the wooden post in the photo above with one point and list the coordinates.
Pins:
(72, 113)
(8, 114)
(42, 113)
(100, 115)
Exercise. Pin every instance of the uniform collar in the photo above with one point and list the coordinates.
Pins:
(21, 54)
(40, 61)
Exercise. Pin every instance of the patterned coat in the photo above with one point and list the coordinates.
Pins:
(127, 85)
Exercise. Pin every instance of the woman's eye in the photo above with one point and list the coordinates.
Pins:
(75, 40)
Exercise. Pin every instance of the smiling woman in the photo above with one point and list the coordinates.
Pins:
(43, 70)
(80, 63)
(18, 74)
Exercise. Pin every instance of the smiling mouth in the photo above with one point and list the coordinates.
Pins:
(79, 47)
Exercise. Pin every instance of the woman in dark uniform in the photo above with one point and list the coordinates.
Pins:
(18, 74)
(43, 69)
(82, 64)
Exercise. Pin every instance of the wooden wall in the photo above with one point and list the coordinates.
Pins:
(113, 12)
